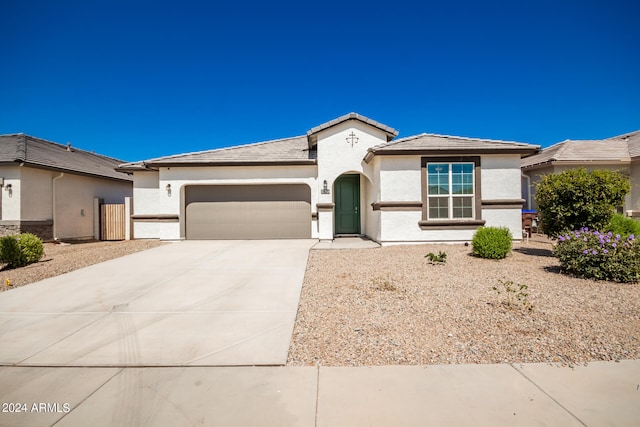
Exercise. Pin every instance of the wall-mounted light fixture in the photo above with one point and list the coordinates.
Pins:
(325, 187)
(9, 189)
(168, 188)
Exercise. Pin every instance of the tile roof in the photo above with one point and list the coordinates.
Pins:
(280, 151)
(20, 148)
(302, 150)
(447, 143)
(391, 132)
(618, 149)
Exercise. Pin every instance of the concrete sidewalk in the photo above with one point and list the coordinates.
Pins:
(600, 394)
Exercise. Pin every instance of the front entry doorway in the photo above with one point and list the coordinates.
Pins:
(347, 204)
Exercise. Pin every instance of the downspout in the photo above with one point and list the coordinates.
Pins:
(55, 219)
(528, 189)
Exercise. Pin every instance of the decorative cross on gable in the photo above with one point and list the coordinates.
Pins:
(352, 138)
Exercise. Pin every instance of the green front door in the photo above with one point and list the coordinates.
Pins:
(347, 204)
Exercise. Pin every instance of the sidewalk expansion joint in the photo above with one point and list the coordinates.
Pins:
(548, 395)
(108, 380)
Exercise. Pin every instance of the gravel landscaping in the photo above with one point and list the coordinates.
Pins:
(62, 258)
(391, 306)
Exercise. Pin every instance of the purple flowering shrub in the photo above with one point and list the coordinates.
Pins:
(601, 256)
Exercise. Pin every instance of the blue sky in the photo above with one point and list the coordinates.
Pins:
(142, 79)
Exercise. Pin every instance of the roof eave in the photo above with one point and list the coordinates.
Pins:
(155, 166)
(447, 151)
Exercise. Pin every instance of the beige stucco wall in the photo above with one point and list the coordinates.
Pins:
(501, 177)
(146, 194)
(32, 198)
(74, 203)
(36, 200)
(400, 178)
(10, 203)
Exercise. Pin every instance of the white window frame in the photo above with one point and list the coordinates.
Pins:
(451, 196)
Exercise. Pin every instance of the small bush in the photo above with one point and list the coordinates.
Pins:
(441, 258)
(492, 242)
(10, 252)
(601, 256)
(623, 226)
(18, 251)
(31, 247)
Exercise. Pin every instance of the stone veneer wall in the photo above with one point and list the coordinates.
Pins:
(42, 229)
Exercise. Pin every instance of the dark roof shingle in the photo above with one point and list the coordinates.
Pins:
(36, 152)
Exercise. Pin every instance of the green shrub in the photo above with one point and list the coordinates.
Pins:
(623, 226)
(492, 242)
(31, 247)
(18, 251)
(600, 256)
(10, 252)
(576, 198)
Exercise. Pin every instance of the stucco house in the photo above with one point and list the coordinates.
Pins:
(349, 176)
(620, 153)
(49, 189)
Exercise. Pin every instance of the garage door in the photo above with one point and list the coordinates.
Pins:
(248, 212)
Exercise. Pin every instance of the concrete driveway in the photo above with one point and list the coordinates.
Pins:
(191, 303)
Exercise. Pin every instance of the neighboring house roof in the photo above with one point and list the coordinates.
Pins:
(439, 144)
(28, 150)
(618, 149)
(389, 131)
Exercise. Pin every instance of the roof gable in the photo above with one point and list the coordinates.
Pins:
(312, 134)
(40, 153)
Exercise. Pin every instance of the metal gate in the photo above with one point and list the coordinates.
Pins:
(112, 222)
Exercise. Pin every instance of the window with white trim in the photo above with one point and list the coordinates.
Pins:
(450, 190)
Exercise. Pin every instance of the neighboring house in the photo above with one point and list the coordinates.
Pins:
(620, 153)
(345, 177)
(49, 189)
